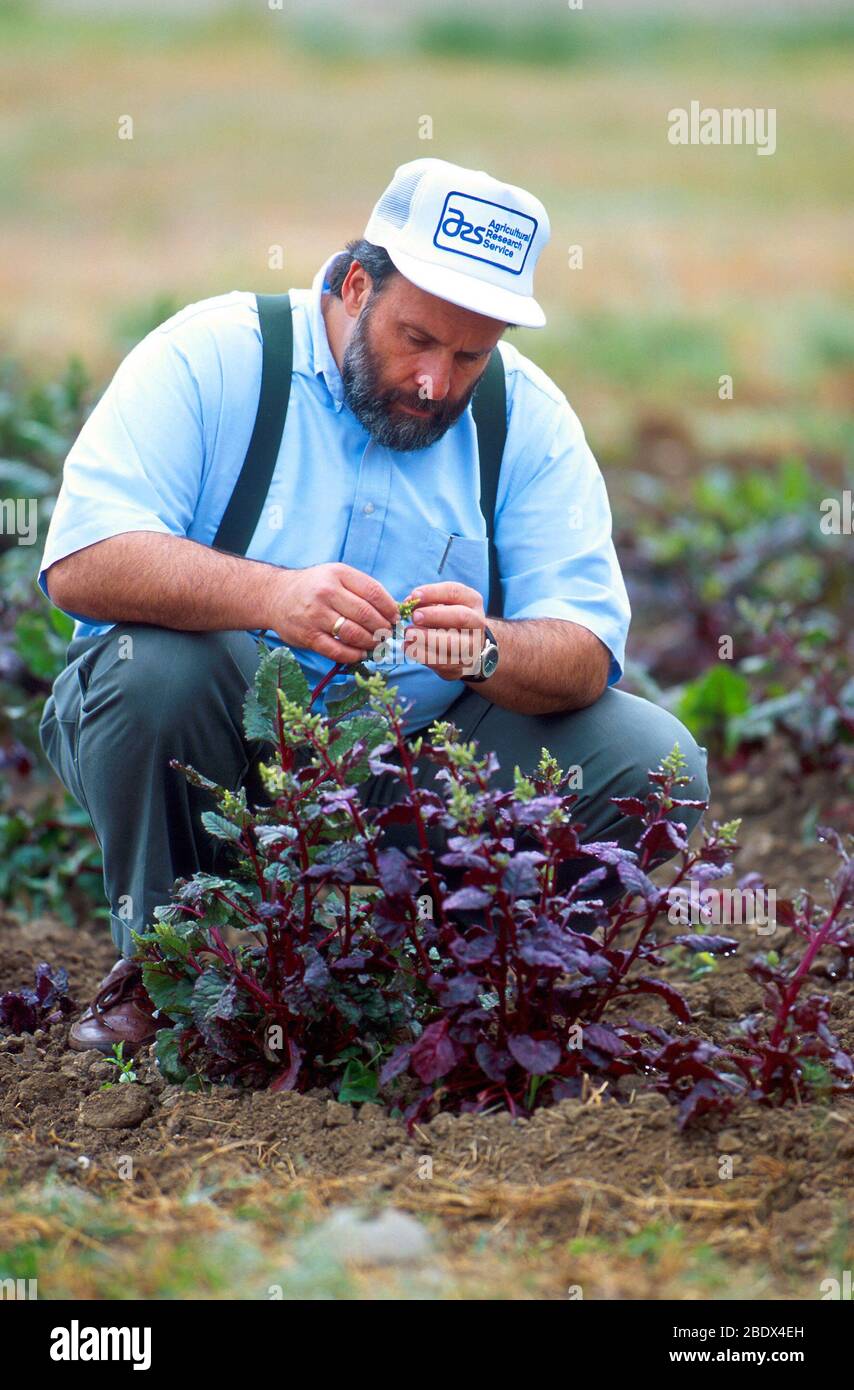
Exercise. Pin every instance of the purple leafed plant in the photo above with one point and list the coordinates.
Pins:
(25, 1010)
(789, 1051)
(314, 964)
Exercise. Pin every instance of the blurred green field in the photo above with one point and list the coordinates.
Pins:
(257, 131)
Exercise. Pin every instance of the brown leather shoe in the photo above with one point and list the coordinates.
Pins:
(120, 1012)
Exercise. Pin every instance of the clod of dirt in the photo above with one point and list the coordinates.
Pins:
(122, 1107)
(845, 1147)
(805, 1230)
(40, 1087)
(337, 1114)
(392, 1238)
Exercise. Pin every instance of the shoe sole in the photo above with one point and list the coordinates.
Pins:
(106, 1048)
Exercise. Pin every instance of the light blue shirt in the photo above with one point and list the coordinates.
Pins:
(163, 448)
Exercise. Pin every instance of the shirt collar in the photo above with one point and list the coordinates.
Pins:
(323, 363)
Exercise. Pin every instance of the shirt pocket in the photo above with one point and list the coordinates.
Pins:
(447, 556)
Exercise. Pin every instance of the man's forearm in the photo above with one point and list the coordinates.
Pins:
(149, 577)
(546, 665)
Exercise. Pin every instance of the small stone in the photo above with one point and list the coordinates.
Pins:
(391, 1238)
(728, 1140)
(122, 1107)
(337, 1114)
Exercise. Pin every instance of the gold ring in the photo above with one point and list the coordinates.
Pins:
(337, 626)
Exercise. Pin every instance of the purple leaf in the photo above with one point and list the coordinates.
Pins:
(475, 951)
(629, 805)
(538, 1056)
(467, 900)
(714, 945)
(398, 874)
(704, 1096)
(396, 1063)
(463, 989)
(493, 1062)
(520, 878)
(434, 1054)
(676, 1002)
(600, 1036)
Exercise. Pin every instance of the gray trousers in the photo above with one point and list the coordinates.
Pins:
(135, 697)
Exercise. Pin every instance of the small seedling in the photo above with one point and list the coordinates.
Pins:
(125, 1066)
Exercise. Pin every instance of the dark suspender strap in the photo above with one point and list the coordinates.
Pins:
(245, 505)
(241, 516)
(489, 408)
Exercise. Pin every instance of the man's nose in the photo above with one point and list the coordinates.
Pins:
(434, 381)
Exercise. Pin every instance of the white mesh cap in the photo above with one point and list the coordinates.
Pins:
(464, 236)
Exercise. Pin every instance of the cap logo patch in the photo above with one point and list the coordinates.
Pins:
(485, 231)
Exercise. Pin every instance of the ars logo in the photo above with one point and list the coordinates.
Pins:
(485, 231)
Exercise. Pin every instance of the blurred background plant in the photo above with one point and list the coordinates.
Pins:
(49, 857)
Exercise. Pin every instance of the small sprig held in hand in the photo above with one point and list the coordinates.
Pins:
(405, 609)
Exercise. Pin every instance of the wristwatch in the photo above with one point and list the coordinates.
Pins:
(488, 658)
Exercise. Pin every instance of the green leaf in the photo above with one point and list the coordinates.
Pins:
(213, 997)
(709, 704)
(176, 939)
(38, 646)
(277, 670)
(220, 828)
(62, 625)
(173, 996)
(358, 1084)
(354, 699)
(373, 728)
(166, 1052)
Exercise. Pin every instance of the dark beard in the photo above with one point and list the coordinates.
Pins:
(374, 409)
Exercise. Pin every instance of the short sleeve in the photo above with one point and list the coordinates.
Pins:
(137, 463)
(553, 519)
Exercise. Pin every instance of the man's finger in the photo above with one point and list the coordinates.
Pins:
(441, 646)
(448, 592)
(372, 593)
(364, 624)
(337, 651)
(448, 615)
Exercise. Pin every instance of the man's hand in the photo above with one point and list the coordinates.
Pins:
(447, 629)
(305, 604)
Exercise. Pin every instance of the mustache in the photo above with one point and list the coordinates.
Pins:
(437, 409)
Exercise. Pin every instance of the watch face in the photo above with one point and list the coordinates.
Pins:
(489, 662)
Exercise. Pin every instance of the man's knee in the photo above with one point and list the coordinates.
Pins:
(655, 733)
(189, 671)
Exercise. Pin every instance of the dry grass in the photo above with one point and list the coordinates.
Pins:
(235, 1219)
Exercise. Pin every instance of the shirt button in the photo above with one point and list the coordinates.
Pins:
(368, 508)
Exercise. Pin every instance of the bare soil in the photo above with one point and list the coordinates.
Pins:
(581, 1173)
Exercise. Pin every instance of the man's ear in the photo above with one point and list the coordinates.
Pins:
(355, 289)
